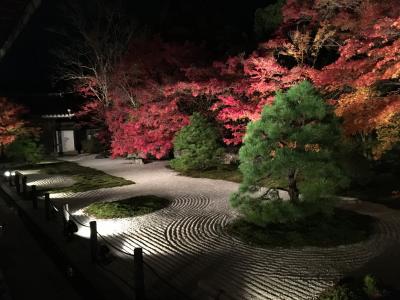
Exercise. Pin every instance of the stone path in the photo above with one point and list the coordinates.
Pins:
(186, 242)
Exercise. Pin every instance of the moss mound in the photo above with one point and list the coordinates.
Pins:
(131, 207)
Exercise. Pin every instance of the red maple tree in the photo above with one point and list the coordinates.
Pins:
(348, 48)
(11, 123)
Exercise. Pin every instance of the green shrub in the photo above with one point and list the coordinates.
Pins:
(370, 286)
(354, 289)
(92, 146)
(295, 142)
(339, 293)
(197, 146)
(25, 149)
(267, 19)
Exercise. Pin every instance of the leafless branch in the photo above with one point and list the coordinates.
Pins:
(92, 47)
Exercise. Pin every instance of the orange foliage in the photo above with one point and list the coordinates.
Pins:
(11, 123)
(388, 135)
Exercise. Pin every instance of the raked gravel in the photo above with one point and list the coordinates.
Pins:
(186, 242)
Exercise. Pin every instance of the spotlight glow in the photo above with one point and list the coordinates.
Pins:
(7, 173)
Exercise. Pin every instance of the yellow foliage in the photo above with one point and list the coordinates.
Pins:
(388, 134)
(303, 46)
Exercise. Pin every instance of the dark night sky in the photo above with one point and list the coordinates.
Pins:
(226, 26)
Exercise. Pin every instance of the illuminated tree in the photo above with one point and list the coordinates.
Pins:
(349, 49)
(294, 142)
(11, 123)
(145, 116)
(197, 145)
(95, 40)
(359, 70)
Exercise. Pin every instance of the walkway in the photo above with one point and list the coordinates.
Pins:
(186, 244)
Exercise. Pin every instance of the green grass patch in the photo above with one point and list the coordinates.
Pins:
(229, 173)
(86, 179)
(223, 172)
(131, 207)
(343, 227)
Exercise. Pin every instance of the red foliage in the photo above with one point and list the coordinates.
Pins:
(142, 116)
(11, 123)
(148, 130)
(157, 85)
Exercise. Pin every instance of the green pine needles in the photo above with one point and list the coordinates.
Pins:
(293, 143)
(197, 145)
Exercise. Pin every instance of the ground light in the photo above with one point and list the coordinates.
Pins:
(9, 173)
(106, 228)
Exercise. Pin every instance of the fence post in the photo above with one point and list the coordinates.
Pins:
(66, 217)
(47, 206)
(138, 274)
(17, 182)
(93, 240)
(10, 179)
(24, 187)
(34, 197)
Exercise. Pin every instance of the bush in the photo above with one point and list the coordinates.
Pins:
(370, 286)
(92, 146)
(355, 289)
(340, 293)
(25, 149)
(197, 146)
(296, 143)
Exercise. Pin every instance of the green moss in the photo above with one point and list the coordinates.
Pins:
(223, 172)
(131, 207)
(86, 179)
(343, 227)
(226, 172)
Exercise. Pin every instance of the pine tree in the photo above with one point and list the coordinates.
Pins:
(293, 143)
(197, 144)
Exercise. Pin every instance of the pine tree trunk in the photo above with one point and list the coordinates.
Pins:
(293, 190)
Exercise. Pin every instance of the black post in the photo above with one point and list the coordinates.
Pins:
(47, 206)
(10, 179)
(138, 274)
(93, 240)
(34, 197)
(15, 177)
(17, 182)
(24, 187)
(59, 143)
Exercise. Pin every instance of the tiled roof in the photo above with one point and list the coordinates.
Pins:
(58, 116)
